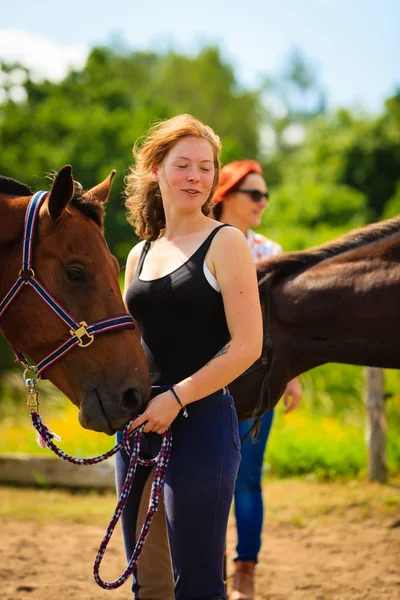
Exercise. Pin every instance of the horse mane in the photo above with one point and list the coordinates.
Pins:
(293, 263)
(86, 204)
(13, 187)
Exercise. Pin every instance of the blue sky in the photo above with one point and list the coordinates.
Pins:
(354, 45)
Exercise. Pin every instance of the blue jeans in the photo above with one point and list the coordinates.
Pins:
(198, 493)
(248, 491)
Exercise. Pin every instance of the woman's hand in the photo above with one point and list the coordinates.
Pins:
(292, 394)
(159, 414)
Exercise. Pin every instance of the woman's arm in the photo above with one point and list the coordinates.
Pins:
(292, 394)
(230, 260)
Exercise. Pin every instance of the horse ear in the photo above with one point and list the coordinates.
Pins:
(101, 191)
(61, 192)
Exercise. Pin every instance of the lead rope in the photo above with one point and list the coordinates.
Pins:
(131, 443)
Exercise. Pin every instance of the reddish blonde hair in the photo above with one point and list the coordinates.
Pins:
(143, 198)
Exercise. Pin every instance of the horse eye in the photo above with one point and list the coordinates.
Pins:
(76, 275)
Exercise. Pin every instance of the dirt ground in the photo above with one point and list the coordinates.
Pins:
(340, 545)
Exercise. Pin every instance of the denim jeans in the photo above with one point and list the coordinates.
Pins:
(198, 493)
(248, 491)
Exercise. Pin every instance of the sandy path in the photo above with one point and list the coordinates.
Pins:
(339, 557)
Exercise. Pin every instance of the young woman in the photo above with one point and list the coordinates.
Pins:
(242, 197)
(191, 286)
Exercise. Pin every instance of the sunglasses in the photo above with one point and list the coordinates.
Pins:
(255, 195)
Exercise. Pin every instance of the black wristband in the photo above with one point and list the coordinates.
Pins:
(184, 409)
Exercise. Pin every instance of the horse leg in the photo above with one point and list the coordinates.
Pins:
(154, 569)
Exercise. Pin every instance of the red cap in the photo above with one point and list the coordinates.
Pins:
(232, 173)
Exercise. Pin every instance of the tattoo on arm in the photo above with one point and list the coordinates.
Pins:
(221, 352)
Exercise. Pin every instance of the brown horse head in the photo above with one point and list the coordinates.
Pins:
(108, 380)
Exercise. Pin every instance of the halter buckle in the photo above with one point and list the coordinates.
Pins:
(81, 333)
(31, 395)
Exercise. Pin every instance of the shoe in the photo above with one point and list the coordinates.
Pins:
(243, 581)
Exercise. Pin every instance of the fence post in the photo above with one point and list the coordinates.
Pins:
(376, 425)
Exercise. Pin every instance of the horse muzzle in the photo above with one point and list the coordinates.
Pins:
(101, 412)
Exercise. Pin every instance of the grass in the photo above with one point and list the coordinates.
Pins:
(47, 505)
(301, 443)
(296, 501)
(304, 502)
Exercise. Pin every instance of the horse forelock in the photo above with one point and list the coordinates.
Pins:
(89, 207)
(13, 187)
(293, 263)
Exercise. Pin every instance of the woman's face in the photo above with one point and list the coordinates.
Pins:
(242, 207)
(186, 174)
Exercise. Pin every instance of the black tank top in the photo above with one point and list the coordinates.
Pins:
(181, 317)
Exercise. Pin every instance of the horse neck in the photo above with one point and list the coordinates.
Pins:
(12, 215)
(342, 310)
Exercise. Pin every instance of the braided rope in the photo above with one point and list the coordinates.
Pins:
(131, 443)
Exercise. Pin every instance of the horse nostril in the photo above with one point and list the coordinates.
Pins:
(131, 399)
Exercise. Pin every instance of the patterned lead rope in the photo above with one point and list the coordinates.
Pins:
(131, 443)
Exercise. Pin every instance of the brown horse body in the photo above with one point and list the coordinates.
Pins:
(109, 380)
(334, 303)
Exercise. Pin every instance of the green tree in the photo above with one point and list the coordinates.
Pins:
(294, 97)
(362, 153)
(305, 214)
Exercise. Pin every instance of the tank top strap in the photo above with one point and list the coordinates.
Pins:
(201, 252)
(142, 256)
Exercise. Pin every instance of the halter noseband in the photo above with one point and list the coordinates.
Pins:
(82, 334)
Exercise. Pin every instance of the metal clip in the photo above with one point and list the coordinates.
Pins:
(32, 395)
(80, 333)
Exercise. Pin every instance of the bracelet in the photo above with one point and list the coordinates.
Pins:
(184, 409)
